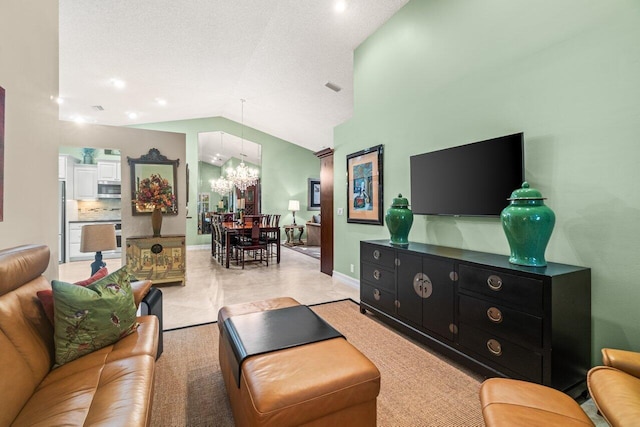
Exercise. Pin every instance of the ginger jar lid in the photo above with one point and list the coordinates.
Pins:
(526, 193)
(400, 202)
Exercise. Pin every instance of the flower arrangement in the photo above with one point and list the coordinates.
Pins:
(155, 192)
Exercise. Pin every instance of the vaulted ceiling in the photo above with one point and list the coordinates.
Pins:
(197, 58)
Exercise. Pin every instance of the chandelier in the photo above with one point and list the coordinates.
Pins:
(242, 176)
(221, 185)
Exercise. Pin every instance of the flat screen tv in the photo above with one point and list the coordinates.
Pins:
(469, 180)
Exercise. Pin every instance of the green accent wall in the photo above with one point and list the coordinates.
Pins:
(567, 74)
(284, 171)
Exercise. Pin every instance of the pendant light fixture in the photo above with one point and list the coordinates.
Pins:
(221, 185)
(242, 176)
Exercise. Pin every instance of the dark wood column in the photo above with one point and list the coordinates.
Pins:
(326, 210)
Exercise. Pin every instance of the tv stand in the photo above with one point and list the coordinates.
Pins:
(500, 319)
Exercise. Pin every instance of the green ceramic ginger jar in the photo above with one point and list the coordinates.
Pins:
(399, 219)
(528, 224)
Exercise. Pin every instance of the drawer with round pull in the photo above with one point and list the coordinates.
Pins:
(378, 276)
(508, 288)
(375, 254)
(517, 326)
(501, 353)
(378, 298)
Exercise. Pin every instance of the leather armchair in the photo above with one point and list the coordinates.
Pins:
(615, 387)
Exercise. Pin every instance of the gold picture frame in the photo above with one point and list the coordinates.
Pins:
(364, 186)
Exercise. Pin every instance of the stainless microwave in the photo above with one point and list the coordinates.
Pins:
(108, 189)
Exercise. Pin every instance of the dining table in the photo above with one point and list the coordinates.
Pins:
(232, 228)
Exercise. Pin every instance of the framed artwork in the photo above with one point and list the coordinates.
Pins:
(364, 186)
(313, 196)
(1, 152)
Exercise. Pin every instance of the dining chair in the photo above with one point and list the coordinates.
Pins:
(254, 244)
(218, 242)
(272, 236)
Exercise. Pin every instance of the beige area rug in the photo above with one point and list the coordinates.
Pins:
(419, 387)
(312, 251)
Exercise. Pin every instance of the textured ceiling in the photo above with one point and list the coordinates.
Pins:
(203, 56)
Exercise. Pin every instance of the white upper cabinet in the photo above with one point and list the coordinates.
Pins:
(85, 179)
(108, 170)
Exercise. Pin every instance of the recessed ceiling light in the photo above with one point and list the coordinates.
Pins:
(132, 115)
(79, 119)
(340, 6)
(118, 83)
(161, 101)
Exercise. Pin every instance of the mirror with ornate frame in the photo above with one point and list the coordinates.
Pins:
(148, 168)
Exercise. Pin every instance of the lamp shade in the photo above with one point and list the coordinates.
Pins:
(240, 203)
(98, 237)
(294, 205)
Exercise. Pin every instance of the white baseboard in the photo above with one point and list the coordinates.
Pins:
(348, 280)
(198, 247)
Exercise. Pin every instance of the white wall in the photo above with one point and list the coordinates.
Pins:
(29, 75)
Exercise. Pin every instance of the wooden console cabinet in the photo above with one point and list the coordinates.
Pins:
(159, 259)
(500, 319)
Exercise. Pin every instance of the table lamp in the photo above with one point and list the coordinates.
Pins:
(97, 238)
(294, 205)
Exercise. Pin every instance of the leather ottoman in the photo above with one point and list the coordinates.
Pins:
(322, 383)
(513, 403)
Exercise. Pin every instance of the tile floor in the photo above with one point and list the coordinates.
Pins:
(210, 286)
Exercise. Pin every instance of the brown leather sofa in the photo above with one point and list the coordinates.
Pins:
(615, 387)
(509, 403)
(313, 231)
(111, 386)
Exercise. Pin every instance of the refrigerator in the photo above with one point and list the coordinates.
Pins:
(62, 203)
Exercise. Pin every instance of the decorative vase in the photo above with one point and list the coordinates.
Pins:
(399, 219)
(156, 221)
(528, 224)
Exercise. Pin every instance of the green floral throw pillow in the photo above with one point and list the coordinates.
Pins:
(92, 317)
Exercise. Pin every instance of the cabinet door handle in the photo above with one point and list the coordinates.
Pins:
(422, 285)
(376, 274)
(376, 254)
(494, 314)
(494, 347)
(494, 282)
(376, 294)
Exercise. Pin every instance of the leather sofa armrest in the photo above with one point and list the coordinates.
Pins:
(140, 289)
(627, 361)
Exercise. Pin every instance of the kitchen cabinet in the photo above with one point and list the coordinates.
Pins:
(500, 319)
(65, 167)
(159, 259)
(108, 170)
(85, 180)
(62, 168)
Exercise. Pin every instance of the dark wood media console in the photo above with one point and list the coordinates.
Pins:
(500, 319)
